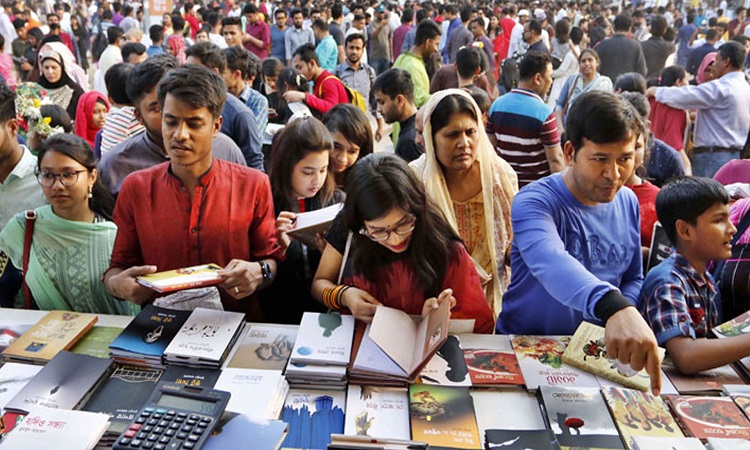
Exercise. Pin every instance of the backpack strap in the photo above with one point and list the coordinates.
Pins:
(28, 235)
(320, 88)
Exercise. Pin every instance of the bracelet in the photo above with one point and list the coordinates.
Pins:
(332, 297)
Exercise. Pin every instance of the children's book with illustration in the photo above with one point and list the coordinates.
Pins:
(490, 360)
(324, 339)
(313, 416)
(179, 279)
(704, 417)
(56, 331)
(443, 416)
(638, 413)
(265, 346)
(540, 359)
(579, 418)
(588, 351)
(378, 412)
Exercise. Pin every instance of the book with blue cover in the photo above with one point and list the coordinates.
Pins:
(144, 340)
(234, 433)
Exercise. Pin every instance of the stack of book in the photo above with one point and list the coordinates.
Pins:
(205, 339)
(322, 351)
(144, 340)
(257, 394)
(58, 429)
(56, 331)
(264, 346)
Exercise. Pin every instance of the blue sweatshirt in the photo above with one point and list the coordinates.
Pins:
(566, 256)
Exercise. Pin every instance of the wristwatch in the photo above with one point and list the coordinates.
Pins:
(265, 269)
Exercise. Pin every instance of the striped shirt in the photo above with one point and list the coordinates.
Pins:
(119, 126)
(523, 126)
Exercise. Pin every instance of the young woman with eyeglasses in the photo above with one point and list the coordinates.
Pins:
(396, 249)
(72, 237)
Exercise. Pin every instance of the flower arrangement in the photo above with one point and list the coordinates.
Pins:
(30, 97)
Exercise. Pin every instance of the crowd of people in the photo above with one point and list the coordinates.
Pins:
(535, 146)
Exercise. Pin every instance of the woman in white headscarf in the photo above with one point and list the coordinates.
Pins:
(472, 186)
(61, 77)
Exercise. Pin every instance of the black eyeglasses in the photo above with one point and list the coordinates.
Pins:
(404, 227)
(69, 178)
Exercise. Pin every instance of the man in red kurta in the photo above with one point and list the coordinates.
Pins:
(257, 38)
(328, 90)
(194, 209)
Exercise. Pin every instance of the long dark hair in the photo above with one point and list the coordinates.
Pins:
(297, 140)
(78, 149)
(375, 186)
(352, 123)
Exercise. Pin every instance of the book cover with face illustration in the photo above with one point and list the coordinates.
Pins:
(443, 416)
(265, 346)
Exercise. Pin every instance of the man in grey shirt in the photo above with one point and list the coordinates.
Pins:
(146, 149)
(297, 35)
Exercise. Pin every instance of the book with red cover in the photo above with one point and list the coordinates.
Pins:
(704, 417)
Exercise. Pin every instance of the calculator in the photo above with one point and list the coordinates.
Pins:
(175, 417)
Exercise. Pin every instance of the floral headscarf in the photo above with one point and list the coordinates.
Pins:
(61, 53)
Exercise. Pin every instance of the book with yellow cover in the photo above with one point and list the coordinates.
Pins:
(180, 279)
(56, 331)
(443, 416)
(587, 351)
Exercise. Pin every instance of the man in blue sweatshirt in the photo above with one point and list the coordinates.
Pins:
(576, 251)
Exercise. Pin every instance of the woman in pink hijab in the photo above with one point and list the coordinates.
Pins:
(176, 47)
(706, 71)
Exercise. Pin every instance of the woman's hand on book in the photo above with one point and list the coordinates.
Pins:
(361, 304)
(285, 222)
(433, 303)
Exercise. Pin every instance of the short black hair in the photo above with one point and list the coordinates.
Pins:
(231, 21)
(178, 23)
(623, 22)
(195, 85)
(468, 60)
(320, 24)
(480, 98)
(532, 63)
(337, 10)
(352, 37)
(212, 18)
(427, 29)
(712, 34)
(306, 53)
(209, 55)
(734, 52)
(698, 192)
(658, 25)
(146, 75)
(116, 80)
(130, 48)
(407, 16)
(114, 34)
(7, 103)
(631, 82)
(466, 13)
(156, 33)
(250, 8)
(107, 15)
(238, 58)
(127, 8)
(395, 82)
(535, 26)
(602, 118)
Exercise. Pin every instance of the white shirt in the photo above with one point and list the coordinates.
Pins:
(20, 190)
(218, 40)
(517, 45)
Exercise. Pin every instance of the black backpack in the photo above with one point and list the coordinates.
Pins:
(99, 45)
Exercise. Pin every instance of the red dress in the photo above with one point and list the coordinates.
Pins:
(646, 193)
(668, 124)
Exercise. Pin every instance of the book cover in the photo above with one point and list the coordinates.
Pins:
(448, 366)
(743, 401)
(660, 248)
(150, 332)
(206, 336)
(311, 223)
(257, 394)
(190, 376)
(371, 359)
(704, 417)
(63, 383)
(738, 326)
(506, 409)
(234, 433)
(313, 416)
(727, 444)
(579, 417)
(638, 413)
(707, 382)
(491, 360)
(265, 346)
(667, 443)
(96, 342)
(588, 351)
(520, 440)
(540, 359)
(185, 278)
(11, 332)
(324, 339)
(56, 331)
(13, 377)
(122, 395)
(443, 416)
(379, 412)
(59, 429)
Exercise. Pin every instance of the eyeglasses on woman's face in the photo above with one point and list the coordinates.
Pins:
(67, 178)
(402, 228)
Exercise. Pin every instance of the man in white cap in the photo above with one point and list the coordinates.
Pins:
(541, 16)
(517, 45)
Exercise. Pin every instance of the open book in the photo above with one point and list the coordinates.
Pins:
(398, 346)
(313, 222)
(185, 278)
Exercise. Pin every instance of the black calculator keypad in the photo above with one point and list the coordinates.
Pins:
(159, 429)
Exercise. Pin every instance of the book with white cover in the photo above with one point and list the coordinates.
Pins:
(258, 394)
(324, 339)
(509, 409)
(727, 444)
(667, 443)
(59, 429)
(311, 223)
(540, 358)
(205, 337)
(13, 377)
(379, 412)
